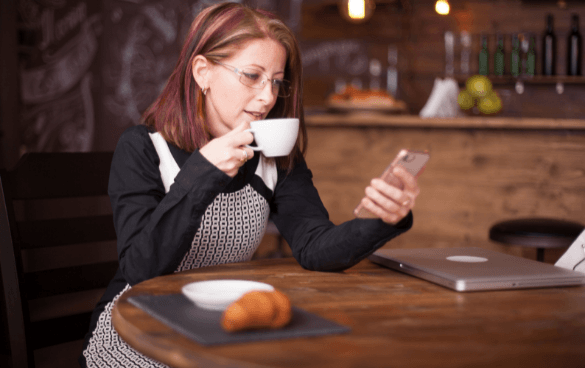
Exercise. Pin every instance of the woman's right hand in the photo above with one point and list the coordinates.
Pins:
(227, 152)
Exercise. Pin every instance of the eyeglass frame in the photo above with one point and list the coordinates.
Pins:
(240, 73)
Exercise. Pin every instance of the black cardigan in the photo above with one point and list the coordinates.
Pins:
(155, 230)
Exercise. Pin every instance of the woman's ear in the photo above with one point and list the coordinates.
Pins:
(201, 71)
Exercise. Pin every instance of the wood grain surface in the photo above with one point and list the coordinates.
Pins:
(374, 119)
(396, 321)
(475, 177)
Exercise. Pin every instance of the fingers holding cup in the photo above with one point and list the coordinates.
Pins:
(245, 157)
(246, 154)
(228, 152)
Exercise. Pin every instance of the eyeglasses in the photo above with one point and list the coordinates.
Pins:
(255, 78)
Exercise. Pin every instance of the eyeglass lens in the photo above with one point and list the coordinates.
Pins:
(257, 79)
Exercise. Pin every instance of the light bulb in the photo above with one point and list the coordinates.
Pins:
(356, 11)
(442, 7)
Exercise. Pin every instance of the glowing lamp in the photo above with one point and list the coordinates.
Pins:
(442, 7)
(357, 11)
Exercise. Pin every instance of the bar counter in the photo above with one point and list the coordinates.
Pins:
(412, 121)
(482, 170)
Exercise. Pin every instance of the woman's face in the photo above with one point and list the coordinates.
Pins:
(228, 102)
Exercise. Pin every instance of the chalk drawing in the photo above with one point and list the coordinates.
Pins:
(332, 57)
(56, 76)
(142, 53)
(62, 69)
(65, 124)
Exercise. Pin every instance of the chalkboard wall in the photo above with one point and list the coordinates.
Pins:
(88, 69)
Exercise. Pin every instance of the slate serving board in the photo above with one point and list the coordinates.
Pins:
(203, 326)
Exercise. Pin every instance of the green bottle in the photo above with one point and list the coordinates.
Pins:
(531, 58)
(499, 57)
(515, 57)
(484, 57)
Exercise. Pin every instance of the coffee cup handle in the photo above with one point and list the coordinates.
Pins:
(257, 148)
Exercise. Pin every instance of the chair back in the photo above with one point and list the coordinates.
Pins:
(57, 249)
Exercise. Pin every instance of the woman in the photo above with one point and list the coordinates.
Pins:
(187, 193)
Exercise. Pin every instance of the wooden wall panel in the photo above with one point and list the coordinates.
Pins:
(474, 178)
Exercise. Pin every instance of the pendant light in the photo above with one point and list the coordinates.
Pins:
(356, 11)
(442, 7)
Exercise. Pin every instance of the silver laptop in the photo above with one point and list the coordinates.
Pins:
(470, 269)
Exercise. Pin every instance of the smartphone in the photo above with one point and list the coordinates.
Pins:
(413, 161)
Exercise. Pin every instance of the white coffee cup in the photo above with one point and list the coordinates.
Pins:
(274, 137)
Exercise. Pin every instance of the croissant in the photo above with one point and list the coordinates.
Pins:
(257, 309)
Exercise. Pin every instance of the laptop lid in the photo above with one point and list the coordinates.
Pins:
(470, 269)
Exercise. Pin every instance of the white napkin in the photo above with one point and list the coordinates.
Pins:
(442, 102)
(574, 257)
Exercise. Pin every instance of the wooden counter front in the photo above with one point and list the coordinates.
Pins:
(482, 170)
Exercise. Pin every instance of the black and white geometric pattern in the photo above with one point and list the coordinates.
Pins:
(107, 349)
(230, 231)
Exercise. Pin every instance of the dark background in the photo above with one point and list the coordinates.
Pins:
(76, 73)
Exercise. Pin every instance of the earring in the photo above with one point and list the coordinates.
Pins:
(204, 90)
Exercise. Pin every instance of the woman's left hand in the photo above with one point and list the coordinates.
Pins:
(388, 202)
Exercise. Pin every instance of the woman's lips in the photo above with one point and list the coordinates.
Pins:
(255, 115)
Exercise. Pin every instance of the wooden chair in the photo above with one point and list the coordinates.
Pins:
(57, 252)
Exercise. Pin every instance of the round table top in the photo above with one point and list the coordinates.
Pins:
(395, 320)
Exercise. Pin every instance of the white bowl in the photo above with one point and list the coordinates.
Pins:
(219, 294)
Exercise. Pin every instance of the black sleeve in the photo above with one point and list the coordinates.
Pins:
(155, 229)
(316, 243)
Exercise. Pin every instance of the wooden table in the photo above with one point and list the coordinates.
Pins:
(396, 320)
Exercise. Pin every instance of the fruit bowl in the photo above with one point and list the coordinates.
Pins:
(478, 97)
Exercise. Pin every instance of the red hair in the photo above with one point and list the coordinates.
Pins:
(216, 33)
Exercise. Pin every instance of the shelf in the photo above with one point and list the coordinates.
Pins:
(378, 120)
(559, 81)
(537, 79)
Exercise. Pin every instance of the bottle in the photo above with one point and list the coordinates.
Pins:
(549, 49)
(375, 72)
(515, 57)
(484, 57)
(449, 54)
(531, 57)
(574, 48)
(465, 52)
(499, 56)
(392, 71)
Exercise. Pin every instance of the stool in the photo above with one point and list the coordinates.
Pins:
(539, 233)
